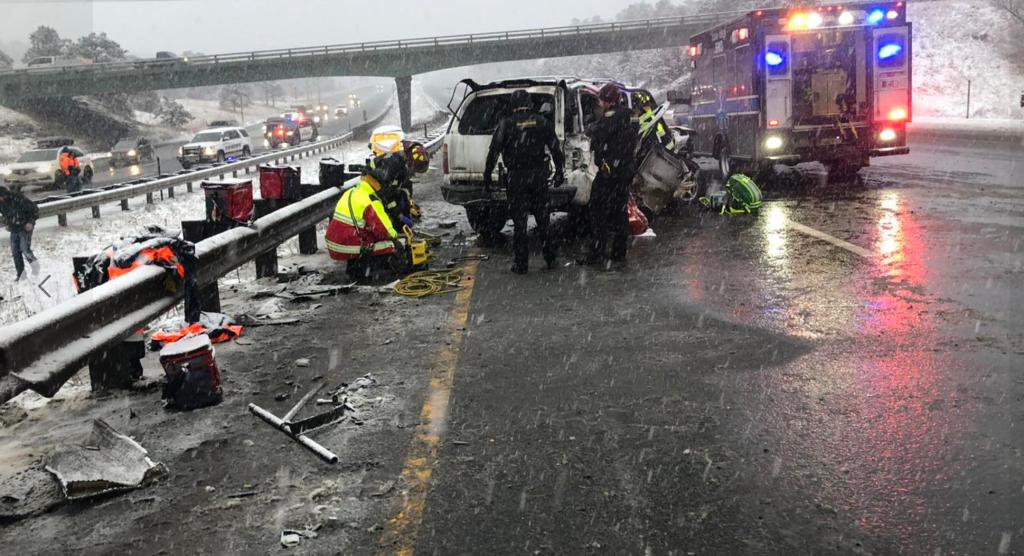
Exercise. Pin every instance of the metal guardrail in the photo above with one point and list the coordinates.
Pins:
(44, 351)
(120, 192)
(653, 25)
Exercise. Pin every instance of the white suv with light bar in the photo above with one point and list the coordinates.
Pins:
(215, 145)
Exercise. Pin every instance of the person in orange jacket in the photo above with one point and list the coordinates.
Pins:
(71, 169)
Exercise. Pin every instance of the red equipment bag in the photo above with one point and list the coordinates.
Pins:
(637, 219)
(193, 379)
(228, 200)
(280, 182)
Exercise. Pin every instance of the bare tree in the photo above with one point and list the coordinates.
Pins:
(1015, 8)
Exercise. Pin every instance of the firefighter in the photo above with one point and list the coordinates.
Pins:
(69, 166)
(652, 126)
(361, 232)
(614, 141)
(520, 139)
(20, 214)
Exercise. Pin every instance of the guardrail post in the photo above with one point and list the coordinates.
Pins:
(188, 187)
(196, 231)
(234, 173)
(266, 264)
(62, 220)
(96, 212)
(170, 192)
(124, 205)
(149, 198)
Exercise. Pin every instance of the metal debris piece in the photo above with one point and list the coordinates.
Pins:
(107, 462)
(296, 429)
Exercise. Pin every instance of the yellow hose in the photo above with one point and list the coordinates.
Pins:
(428, 282)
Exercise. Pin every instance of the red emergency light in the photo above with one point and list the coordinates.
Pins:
(773, 123)
(280, 132)
(695, 51)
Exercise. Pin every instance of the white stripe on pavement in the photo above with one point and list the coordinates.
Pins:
(856, 250)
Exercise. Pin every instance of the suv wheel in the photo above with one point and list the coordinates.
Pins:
(487, 221)
(246, 151)
(220, 157)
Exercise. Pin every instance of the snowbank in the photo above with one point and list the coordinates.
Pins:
(963, 40)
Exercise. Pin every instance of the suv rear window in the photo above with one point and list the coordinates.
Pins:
(483, 113)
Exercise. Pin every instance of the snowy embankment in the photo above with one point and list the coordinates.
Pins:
(978, 129)
(16, 134)
(960, 41)
(84, 235)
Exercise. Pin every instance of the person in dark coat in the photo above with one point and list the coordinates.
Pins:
(521, 140)
(20, 214)
(613, 138)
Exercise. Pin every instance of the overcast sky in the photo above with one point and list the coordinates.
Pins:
(214, 26)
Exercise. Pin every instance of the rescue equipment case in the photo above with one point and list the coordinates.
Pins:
(229, 200)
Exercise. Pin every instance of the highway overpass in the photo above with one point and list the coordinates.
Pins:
(398, 59)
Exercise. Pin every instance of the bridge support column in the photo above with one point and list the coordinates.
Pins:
(404, 85)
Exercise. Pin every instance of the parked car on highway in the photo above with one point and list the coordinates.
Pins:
(215, 145)
(41, 167)
(130, 151)
(283, 131)
(340, 111)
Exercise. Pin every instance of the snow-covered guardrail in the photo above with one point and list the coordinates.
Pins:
(43, 351)
(94, 198)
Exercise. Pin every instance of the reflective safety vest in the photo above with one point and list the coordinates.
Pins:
(648, 122)
(360, 225)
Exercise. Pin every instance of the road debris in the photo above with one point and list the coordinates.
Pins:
(296, 429)
(108, 462)
(292, 537)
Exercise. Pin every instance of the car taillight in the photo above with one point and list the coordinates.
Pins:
(280, 132)
(773, 123)
(445, 158)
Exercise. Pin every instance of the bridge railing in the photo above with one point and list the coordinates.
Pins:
(652, 25)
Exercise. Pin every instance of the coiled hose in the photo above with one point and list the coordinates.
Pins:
(429, 282)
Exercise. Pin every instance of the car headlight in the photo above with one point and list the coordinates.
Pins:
(316, 119)
(5, 171)
(131, 152)
(887, 135)
(266, 143)
(44, 168)
(773, 143)
(209, 151)
(181, 151)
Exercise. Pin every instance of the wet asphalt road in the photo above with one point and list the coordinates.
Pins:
(840, 374)
(745, 388)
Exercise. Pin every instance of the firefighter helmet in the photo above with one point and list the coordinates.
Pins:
(520, 100)
(418, 158)
(386, 139)
(610, 93)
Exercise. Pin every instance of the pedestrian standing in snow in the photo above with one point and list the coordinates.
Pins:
(71, 168)
(614, 140)
(20, 214)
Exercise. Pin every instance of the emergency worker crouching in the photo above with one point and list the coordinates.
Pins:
(361, 231)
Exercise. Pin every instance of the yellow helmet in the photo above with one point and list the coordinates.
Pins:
(386, 140)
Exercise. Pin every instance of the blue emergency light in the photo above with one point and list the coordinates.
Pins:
(876, 16)
(889, 50)
(773, 59)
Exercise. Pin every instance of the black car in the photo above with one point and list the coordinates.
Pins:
(131, 151)
(288, 131)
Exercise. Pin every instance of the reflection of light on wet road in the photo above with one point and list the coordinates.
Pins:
(774, 232)
(890, 231)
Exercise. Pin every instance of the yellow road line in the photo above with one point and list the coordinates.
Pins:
(855, 249)
(399, 536)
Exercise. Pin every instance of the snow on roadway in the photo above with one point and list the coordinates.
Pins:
(55, 246)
